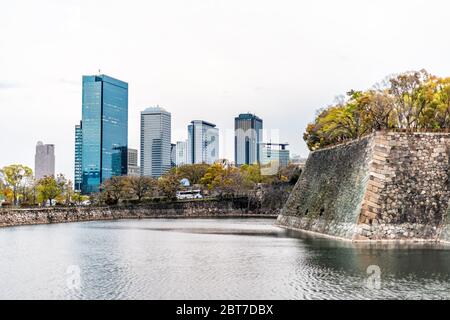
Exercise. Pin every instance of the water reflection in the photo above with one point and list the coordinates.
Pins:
(210, 259)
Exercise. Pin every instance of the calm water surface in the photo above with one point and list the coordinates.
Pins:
(208, 259)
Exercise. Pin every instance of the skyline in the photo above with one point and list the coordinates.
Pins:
(207, 60)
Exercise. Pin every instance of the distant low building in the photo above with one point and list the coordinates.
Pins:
(133, 168)
(44, 160)
(274, 154)
(298, 160)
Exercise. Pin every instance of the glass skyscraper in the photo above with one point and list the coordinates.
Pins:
(155, 142)
(78, 177)
(104, 130)
(203, 142)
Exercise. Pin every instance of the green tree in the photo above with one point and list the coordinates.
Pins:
(14, 176)
(251, 173)
(78, 198)
(408, 106)
(48, 189)
(410, 101)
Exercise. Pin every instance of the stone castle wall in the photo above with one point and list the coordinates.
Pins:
(327, 198)
(386, 186)
(182, 209)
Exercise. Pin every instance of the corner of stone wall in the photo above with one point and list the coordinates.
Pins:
(377, 177)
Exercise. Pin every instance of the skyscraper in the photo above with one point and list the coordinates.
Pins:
(78, 176)
(155, 142)
(44, 160)
(203, 142)
(133, 168)
(181, 157)
(247, 137)
(104, 130)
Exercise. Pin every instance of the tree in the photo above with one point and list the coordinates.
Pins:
(169, 184)
(409, 101)
(66, 187)
(115, 189)
(48, 189)
(140, 186)
(223, 181)
(78, 198)
(14, 177)
(193, 172)
(28, 192)
(2, 190)
(251, 173)
(289, 174)
(406, 97)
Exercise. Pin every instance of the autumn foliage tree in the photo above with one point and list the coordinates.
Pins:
(411, 101)
(15, 176)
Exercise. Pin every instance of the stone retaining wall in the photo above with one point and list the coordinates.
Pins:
(386, 186)
(184, 209)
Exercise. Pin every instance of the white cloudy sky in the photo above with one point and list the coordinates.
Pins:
(206, 59)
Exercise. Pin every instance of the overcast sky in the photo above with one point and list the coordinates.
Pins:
(203, 59)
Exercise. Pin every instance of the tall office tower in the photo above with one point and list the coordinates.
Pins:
(104, 130)
(44, 160)
(181, 157)
(173, 155)
(247, 137)
(78, 177)
(203, 142)
(155, 141)
(133, 168)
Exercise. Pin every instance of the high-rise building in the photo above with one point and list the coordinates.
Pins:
(181, 157)
(155, 142)
(78, 176)
(104, 130)
(274, 154)
(133, 168)
(44, 160)
(173, 155)
(203, 142)
(247, 137)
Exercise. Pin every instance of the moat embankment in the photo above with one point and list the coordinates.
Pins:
(386, 186)
(238, 207)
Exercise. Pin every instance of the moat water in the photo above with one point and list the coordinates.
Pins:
(210, 259)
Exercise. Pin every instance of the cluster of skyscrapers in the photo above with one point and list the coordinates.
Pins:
(101, 139)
